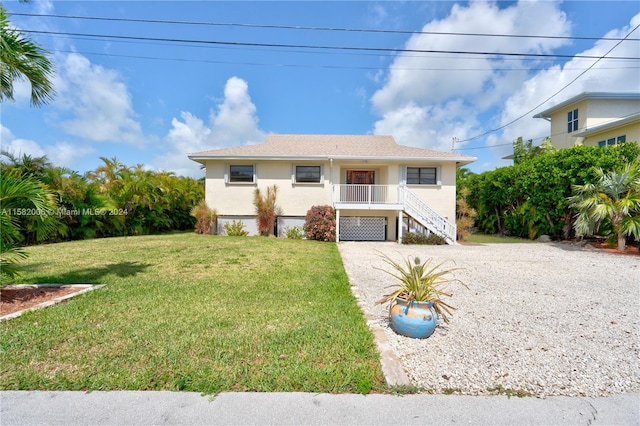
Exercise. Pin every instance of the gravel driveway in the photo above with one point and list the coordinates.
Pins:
(546, 319)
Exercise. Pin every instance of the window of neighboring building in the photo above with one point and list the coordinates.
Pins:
(422, 175)
(308, 174)
(241, 173)
(613, 141)
(572, 121)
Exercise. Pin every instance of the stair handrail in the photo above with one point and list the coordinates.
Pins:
(442, 226)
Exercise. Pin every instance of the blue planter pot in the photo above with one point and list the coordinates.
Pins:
(413, 319)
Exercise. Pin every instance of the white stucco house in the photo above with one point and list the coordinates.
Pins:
(595, 119)
(377, 187)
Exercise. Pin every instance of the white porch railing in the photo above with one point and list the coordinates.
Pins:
(400, 195)
(366, 194)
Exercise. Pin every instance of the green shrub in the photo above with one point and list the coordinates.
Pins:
(320, 223)
(294, 232)
(529, 199)
(235, 229)
(431, 239)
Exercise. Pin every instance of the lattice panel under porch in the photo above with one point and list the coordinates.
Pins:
(362, 228)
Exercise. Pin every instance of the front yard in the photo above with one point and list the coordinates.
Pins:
(194, 313)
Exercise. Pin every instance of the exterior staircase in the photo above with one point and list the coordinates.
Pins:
(420, 211)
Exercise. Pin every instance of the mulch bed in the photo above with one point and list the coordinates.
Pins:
(630, 250)
(17, 299)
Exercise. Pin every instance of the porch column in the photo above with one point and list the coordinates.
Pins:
(399, 226)
(337, 225)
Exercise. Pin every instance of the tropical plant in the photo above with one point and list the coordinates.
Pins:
(294, 232)
(523, 151)
(419, 282)
(530, 199)
(320, 223)
(206, 218)
(22, 197)
(235, 229)
(21, 58)
(411, 238)
(465, 214)
(266, 209)
(614, 198)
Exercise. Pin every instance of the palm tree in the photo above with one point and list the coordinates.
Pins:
(615, 198)
(22, 58)
(20, 196)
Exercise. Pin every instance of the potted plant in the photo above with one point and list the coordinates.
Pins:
(416, 304)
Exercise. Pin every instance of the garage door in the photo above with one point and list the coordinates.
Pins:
(362, 228)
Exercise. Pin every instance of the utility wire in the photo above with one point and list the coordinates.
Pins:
(303, 46)
(300, 27)
(378, 54)
(554, 95)
(286, 65)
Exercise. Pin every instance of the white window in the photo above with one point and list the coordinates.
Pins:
(242, 173)
(422, 176)
(613, 141)
(572, 121)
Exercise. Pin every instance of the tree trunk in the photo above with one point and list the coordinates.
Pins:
(621, 241)
(500, 228)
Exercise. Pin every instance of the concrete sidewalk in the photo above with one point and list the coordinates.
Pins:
(175, 408)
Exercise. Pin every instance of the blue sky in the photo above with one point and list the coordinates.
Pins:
(152, 101)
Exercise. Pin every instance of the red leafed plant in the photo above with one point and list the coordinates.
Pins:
(320, 223)
(266, 209)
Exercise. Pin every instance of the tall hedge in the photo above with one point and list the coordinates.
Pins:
(530, 199)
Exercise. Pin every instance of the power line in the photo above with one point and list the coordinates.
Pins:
(312, 28)
(555, 94)
(303, 46)
(325, 66)
(351, 53)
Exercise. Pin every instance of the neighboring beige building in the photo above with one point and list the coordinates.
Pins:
(376, 186)
(595, 119)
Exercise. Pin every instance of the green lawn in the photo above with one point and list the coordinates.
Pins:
(494, 239)
(193, 313)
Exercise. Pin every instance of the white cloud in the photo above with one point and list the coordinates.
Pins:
(17, 146)
(232, 122)
(62, 154)
(235, 122)
(414, 124)
(97, 100)
(67, 154)
(422, 96)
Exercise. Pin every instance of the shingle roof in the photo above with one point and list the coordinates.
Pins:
(332, 146)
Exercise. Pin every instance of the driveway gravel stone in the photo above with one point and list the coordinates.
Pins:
(537, 319)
